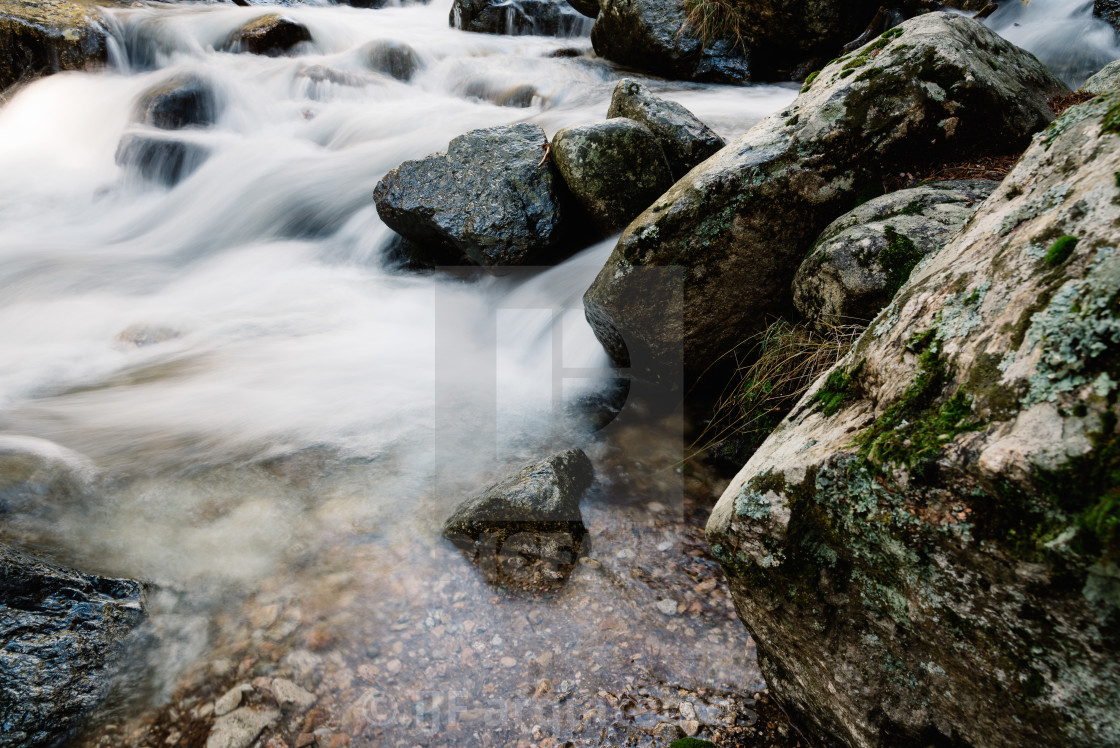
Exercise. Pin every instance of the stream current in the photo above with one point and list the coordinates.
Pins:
(271, 423)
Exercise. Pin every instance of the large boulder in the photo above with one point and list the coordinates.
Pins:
(685, 139)
(615, 169)
(271, 34)
(39, 37)
(61, 631)
(739, 224)
(653, 35)
(183, 101)
(784, 33)
(488, 198)
(589, 8)
(926, 551)
(864, 256)
(539, 17)
(527, 527)
(1104, 80)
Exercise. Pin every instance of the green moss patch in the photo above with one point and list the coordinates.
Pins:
(898, 259)
(838, 389)
(1061, 249)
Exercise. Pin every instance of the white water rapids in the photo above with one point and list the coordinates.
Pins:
(179, 338)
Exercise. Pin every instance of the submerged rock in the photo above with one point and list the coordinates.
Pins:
(240, 728)
(1105, 79)
(926, 551)
(61, 632)
(393, 58)
(1108, 10)
(615, 169)
(40, 37)
(528, 527)
(164, 160)
(653, 35)
(489, 198)
(685, 139)
(183, 101)
(539, 17)
(35, 472)
(739, 224)
(864, 256)
(271, 35)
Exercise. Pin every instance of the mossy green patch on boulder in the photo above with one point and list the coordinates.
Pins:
(40, 37)
(936, 561)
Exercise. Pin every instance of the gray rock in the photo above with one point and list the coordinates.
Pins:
(271, 35)
(530, 516)
(739, 225)
(230, 700)
(485, 197)
(164, 160)
(615, 169)
(1106, 79)
(589, 8)
(652, 35)
(240, 728)
(288, 693)
(685, 139)
(395, 59)
(934, 560)
(518, 17)
(61, 633)
(183, 101)
(864, 256)
(40, 37)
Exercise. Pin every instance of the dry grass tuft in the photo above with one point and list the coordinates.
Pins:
(714, 19)
(772, 372)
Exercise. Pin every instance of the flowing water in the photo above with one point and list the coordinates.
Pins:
(270, 423)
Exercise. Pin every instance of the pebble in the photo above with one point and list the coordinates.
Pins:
(508, 662)
(240, 728)
(230, 700)
(667, 606)
(393, 666)
(288, 693)
(690, 727)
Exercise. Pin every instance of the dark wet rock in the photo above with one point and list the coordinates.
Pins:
(739, 225)
(685, 139)
(35, 474)
(652, 35)
(530, 517)
(783, 33)
(183, 101)
(926, 551)
(61, 632)
(615, 169)
(366, 3)
(393, 58)
(864, 256)
(589, 8)
(486, 197)
(518, 17)
(271, 35)
(520, 96)
(164, 160)
(1108, 10)
(566, 53)
(1106, 79)
(40, 37)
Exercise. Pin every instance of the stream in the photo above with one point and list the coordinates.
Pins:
(271, 422)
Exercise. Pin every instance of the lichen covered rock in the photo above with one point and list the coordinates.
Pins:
(652, 35)
(740, 223)
(519, 17)
(271, 34)
(60, 633)
(615, 169)
(528, 524)
(1104, 80)
(39, 37)
(685, 139)
(926, 551)
(488, 198)
(864, 256)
